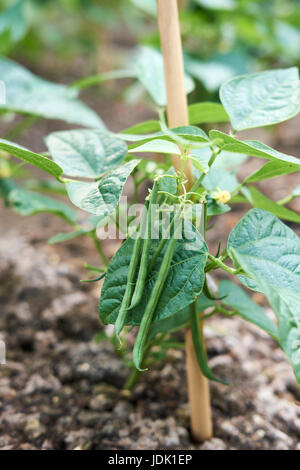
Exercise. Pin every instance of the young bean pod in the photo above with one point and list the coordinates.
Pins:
(140, 342)
(120, 321)
(141, 280)
(199, 346)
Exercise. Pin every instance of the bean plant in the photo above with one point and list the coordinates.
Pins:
(162, 278)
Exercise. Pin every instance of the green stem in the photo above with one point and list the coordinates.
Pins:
(94, 268)
(132, 379)
(99, 248)
(285, 200)
(135, 373)
(223, 266)
(20, 127)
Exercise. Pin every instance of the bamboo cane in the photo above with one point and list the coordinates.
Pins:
(168, 22)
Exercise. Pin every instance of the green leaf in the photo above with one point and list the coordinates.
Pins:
(260, 201)
(143, 127)
(185, 280)
(261, 99)
(188, 133)
(269, 247)
(286, 306)
(86, 153)
(63, 237)
(89, 226)
(168, 184)
(31, 203)
(272, 170)
(149, 67)
(212, 73)
(34, 159)
(158, 146)
(27, 93)
(218, 178)
(180, 319)
(252, 148)
(206, 113)
(229, 160)
(102, 197)
(246, 308)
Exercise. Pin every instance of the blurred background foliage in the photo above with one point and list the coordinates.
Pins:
(221, 38)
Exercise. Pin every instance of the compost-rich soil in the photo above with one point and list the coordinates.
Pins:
(61, 390)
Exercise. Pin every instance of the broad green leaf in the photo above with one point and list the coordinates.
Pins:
(237, 299)
(286, 306)
(86, 153)
(211, 73)
(143, 127)
(184, 283)
(34, 159)
(260, 201)
(224, 161)
(180, 319)
(168, 184)
(149, 67)
(229, 160)
(269, 247)
(190, 134)
(206, 113)
(92, 80)
(252, 148)
(31, 203)
(217, 4)
(158, 146)
(102, 197)
(218, 178)
(272, 170)
(27, 93)
(261, 99)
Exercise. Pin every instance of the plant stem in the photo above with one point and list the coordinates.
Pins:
(223, 266)
(285, 200)
(99, 248)
(94, 268)
(21, 127)
(135, 373)
(132, 379)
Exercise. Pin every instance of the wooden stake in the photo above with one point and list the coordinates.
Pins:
(168, 22)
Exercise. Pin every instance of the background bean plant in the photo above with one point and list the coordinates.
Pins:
(161, 284)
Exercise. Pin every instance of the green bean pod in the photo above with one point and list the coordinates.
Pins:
(159, 248)
(120, 321)
(141, 280)
(140, 342)
(199, 346)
